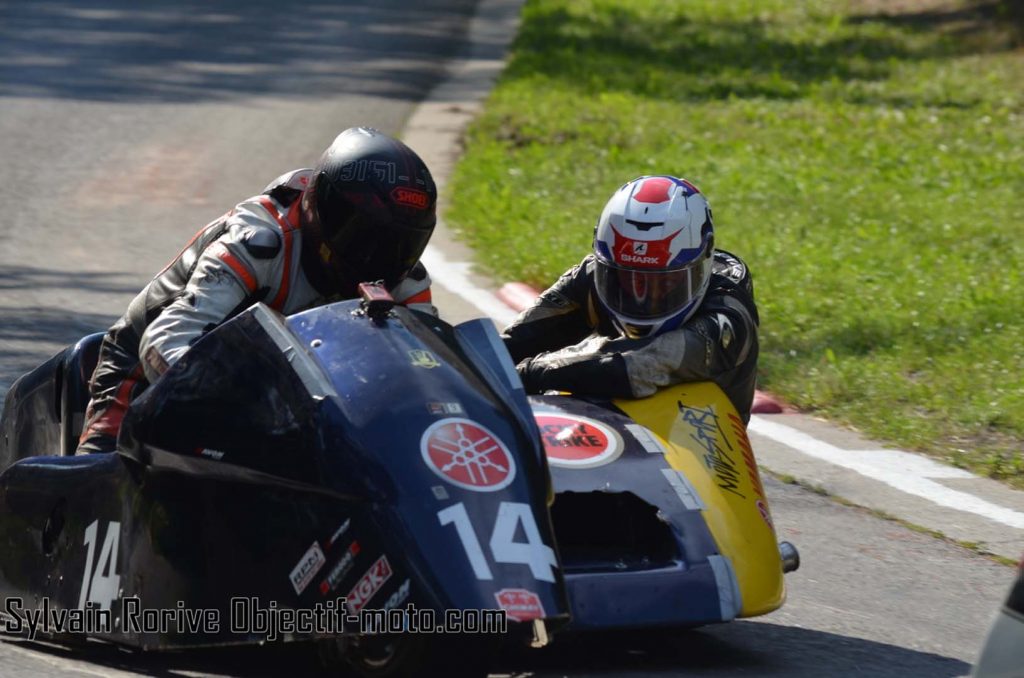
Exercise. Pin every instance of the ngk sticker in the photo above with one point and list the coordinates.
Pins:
(371, 582)
(519, 604)
(571, 441)
(467, 455)
(307, 568)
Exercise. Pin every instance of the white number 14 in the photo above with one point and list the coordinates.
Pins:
(101, 585)
(533, 552)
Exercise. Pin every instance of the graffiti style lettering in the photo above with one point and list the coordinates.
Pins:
(706, 430)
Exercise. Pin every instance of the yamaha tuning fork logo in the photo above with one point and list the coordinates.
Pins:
(467, 455)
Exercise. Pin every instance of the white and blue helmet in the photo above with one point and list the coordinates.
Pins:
(654, 245)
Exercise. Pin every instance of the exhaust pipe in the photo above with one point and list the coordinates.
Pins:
(790, 557)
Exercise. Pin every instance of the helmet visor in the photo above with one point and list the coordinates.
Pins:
(645, 295)
(370, 250)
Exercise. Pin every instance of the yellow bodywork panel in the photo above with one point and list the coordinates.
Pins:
(705, 439)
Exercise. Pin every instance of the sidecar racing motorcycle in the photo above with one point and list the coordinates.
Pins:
(362, 457)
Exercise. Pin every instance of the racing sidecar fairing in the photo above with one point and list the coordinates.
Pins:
(287, 463)
(389, 461)
(659, 513)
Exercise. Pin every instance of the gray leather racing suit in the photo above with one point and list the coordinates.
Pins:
(567, 341)
(252, 253)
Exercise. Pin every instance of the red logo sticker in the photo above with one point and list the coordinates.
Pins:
(642, 253)
(371, 582)
(571, 441)
(467, 455)
(411, 197)
(519, 604)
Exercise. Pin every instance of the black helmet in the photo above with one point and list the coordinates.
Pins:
(371, 206)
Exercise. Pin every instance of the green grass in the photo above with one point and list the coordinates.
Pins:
(869, 169)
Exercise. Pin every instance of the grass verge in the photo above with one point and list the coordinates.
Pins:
(868, 166)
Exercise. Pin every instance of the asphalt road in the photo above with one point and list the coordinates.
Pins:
(126, 126)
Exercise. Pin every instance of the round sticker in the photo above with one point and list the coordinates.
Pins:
(571, 441)
(466, 454)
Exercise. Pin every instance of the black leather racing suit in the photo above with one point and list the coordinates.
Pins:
(252, 253)
(567, 341)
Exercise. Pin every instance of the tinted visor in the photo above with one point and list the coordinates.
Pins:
(644, 295)
(367, 250)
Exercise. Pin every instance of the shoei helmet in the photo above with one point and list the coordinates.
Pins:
(371, 202)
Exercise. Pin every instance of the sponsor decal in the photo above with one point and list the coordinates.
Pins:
(650, 261)
(519, 604)
(571, 441)
(750, 462)
(642, 253)
(368, 585)
(411, 197)
(216, 455)
(467, 455)
(307, 568)
(445, 408)
(425, 359)
(340, 569)
(748, 456)
(342, 529)
(398, 597)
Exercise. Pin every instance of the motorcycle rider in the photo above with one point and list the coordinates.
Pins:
(364, 213)
(655, 304)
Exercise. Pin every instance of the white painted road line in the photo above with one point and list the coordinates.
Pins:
(904, 471)
(454, 277)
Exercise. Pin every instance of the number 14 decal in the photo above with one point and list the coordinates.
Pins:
(101, 585)
(539, 557)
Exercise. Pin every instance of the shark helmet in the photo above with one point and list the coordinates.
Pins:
(654, 245)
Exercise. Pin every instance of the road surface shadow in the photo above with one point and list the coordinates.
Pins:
(25, 329)
(192, 50)
(14, 277)
(737, 649)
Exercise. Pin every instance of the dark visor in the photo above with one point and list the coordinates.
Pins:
(643, 294)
